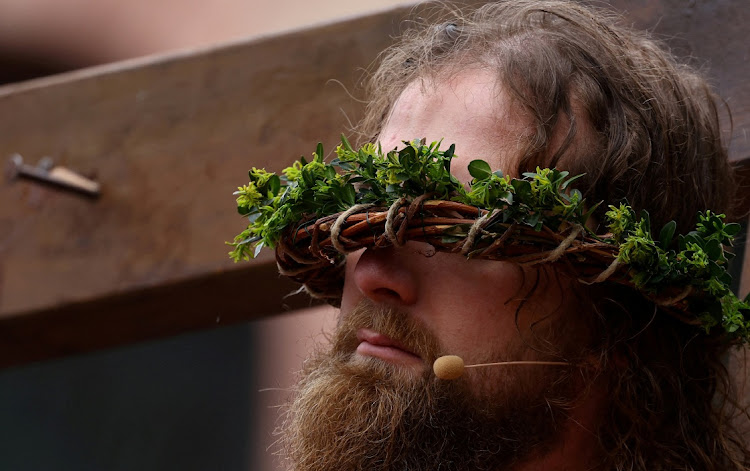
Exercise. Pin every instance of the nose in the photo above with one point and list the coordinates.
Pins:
(388, 275)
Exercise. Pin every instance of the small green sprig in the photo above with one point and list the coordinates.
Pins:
(690, 268)
(697, 262)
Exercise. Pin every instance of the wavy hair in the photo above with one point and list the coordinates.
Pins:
(656, 142)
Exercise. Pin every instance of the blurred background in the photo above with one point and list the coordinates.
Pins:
(127, 339)
(39, 37)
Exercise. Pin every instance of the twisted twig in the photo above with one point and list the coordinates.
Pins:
(474, 231)
(336, 228)
(603, 276)
(554, 255)
(390, 220)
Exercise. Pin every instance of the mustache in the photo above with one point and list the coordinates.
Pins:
(391, 322)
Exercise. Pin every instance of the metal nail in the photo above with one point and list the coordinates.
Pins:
(47, 172)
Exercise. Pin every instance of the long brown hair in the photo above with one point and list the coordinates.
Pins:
(655, 141)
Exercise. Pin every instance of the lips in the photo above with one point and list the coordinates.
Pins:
(374, 344)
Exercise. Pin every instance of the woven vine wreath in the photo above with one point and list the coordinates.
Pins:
(316, 212)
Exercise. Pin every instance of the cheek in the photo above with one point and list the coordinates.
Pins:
(474, 305)
(484, 284)
(494, 308)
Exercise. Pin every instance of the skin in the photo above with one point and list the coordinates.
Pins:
(469, 305)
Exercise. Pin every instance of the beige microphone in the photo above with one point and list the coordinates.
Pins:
(452, 366)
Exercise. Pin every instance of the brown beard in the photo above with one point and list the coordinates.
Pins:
(356, 413)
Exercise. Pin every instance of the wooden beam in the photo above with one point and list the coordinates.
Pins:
(199, 303)
(168, 139)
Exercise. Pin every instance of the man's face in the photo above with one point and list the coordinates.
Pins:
(372, 402)
(470, 306)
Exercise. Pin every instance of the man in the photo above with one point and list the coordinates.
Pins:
(523, 84)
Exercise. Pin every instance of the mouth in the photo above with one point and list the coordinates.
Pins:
(376, 345)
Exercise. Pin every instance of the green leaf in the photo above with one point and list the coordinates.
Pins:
(646, 218)
(407, 155)
(350, 195)
(249, 240)
(666, 234)
(732, 229)
(533, 219)
(694, 238)
(319, 152)
(575, 195)
(345, 141)
(714, 250)
(258, 248)
(715, 270)
(479, 169)
(448, 154)
(570, 180)
(450, 239)
(522, 189)
(307, 177)
(274, 185)
(506, 196)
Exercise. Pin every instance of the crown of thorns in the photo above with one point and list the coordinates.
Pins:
(317, 212)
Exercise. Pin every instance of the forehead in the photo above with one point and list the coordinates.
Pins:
(469, 109)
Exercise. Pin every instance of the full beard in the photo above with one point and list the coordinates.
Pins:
(358, 413)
